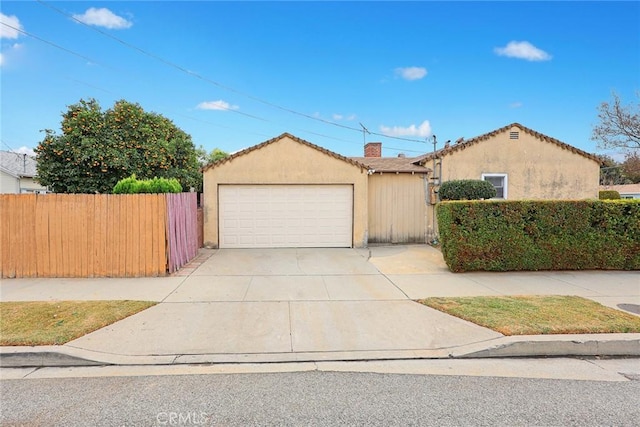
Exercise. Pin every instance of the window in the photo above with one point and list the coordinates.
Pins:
(499, 182)
(514, 135)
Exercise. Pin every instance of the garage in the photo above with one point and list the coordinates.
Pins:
(292, 216)
(285, 193)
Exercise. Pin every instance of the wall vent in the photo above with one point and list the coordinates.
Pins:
(514, 135)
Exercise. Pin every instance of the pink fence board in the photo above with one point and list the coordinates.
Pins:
(182, 229)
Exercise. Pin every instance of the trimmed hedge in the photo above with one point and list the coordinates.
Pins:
(132, 185)
(608, 195)
(540, 235)
(466, 189)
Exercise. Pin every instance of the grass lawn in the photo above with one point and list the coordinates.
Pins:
(536, 315)
(58, 322)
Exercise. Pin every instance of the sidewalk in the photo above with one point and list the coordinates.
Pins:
(283, 305)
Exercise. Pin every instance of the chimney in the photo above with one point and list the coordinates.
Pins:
(373, 149)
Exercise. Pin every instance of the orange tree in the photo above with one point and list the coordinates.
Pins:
(98, 148)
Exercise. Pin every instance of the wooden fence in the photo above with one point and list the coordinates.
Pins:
(96, 235)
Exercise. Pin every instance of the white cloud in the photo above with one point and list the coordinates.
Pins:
(7, 32)
(25, 150)
(9, 53)
(423, 130)
(103, 17)
(348, 118)
(411, 73)
(516, 104)
(216, 105)
(522, 50)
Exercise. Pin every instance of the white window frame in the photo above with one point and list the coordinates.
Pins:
(505, 178)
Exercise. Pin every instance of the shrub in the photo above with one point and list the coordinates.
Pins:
(608, 195)
(132, 185)
(466, 189)
(126, 185)
(540, 235)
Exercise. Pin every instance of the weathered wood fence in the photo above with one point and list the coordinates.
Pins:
(96, 235)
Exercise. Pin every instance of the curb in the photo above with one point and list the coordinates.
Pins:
(604, 345)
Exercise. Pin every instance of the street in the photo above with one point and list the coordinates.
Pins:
(115, 396)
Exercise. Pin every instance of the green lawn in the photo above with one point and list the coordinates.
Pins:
(58, 322)
(535, 315)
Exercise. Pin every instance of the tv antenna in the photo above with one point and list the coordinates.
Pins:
(364, 132)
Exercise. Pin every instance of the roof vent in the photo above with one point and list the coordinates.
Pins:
(402, 155)
(514, 134)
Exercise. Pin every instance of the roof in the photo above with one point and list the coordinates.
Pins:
(623, 188)
(276, 139)
(18, 164)
(466, 143)
(393, 164)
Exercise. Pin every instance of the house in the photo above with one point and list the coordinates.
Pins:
(285, 192)
(627, 191)
(288, 192)
(522, 164)
(17, 172)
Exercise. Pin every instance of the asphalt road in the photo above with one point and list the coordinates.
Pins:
(317, 398)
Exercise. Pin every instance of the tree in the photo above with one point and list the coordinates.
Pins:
(99, 148)
(216, 154)
(619, 125)
(631, 167)
(611, 171)
(205, 158)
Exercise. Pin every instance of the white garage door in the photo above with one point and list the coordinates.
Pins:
(285, 216)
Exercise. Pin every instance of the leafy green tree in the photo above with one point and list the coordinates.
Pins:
(97, 148)
(212, 157)
(216, 154)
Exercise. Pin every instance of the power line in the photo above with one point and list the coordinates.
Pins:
(178, 114)
(213, 82)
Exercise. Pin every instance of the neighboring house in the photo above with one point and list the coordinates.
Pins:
(17, 172)
(287, 192)
(627, 191)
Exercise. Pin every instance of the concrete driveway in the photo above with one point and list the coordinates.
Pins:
(303, 301)
(308, 304)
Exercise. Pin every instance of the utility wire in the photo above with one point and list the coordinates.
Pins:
(213, 82)
(90, 60)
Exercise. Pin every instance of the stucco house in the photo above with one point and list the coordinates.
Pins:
(288, 192)
(522, 164)
(17, 172)
(627, 191)
(285, 192)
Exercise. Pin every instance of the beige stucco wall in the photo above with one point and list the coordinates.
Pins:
(285, 161)
(536, 169)
(397, 208)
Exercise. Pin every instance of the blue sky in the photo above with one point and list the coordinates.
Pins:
(233, 74)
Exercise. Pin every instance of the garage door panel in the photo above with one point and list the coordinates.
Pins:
(285, 215)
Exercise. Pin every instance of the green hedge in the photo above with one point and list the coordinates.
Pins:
(540, 235)
(466, 189)
(608, 195)
(132, 185)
